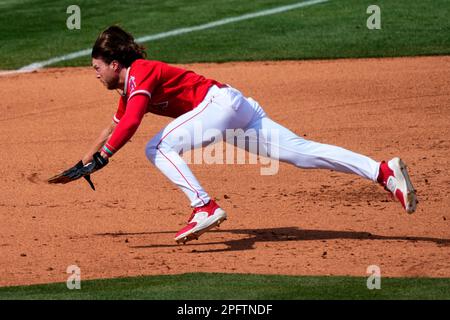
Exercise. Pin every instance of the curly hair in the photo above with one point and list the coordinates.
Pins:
(116, 44)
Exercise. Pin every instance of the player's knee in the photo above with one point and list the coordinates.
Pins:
(151, 150)
(155, 147)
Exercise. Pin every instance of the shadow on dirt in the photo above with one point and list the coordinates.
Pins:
(252, 236)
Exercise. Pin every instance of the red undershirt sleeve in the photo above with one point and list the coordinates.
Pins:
(136, 108)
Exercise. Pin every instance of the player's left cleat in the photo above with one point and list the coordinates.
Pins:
(394, 177)
(202, 219)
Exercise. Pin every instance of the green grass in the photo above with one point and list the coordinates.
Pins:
(216, 286)
(35, 30)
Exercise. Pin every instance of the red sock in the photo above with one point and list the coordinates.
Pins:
(384, 173)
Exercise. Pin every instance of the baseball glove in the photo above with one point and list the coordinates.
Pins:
(80, 170)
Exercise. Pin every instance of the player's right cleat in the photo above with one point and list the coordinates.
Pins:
(202, 219)
(394, 177)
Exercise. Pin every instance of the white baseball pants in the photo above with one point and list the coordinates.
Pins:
(226, 108)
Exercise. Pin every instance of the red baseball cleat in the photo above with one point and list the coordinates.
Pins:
(202, 219)
(394, 177)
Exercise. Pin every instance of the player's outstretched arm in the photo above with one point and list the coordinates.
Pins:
(129, 123)
(104, 136)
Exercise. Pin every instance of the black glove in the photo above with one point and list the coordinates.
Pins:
(80, 170)
(97, 163)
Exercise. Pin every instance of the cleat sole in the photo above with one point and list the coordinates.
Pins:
(411, 198)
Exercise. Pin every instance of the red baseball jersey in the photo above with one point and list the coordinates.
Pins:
(154, 86)
(172, 91)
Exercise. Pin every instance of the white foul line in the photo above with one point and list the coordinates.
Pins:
(38, 65)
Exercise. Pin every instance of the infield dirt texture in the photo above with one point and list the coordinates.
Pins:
(296, 222)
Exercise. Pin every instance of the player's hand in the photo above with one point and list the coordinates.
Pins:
(80, 170)
(96, 164)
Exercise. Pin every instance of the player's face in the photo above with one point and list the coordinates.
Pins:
(108, 74)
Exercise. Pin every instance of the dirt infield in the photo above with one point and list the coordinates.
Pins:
(298, 222)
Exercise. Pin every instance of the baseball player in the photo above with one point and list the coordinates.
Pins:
(193, 100)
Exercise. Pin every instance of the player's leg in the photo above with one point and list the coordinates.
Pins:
(280, 143)
(199, 127)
